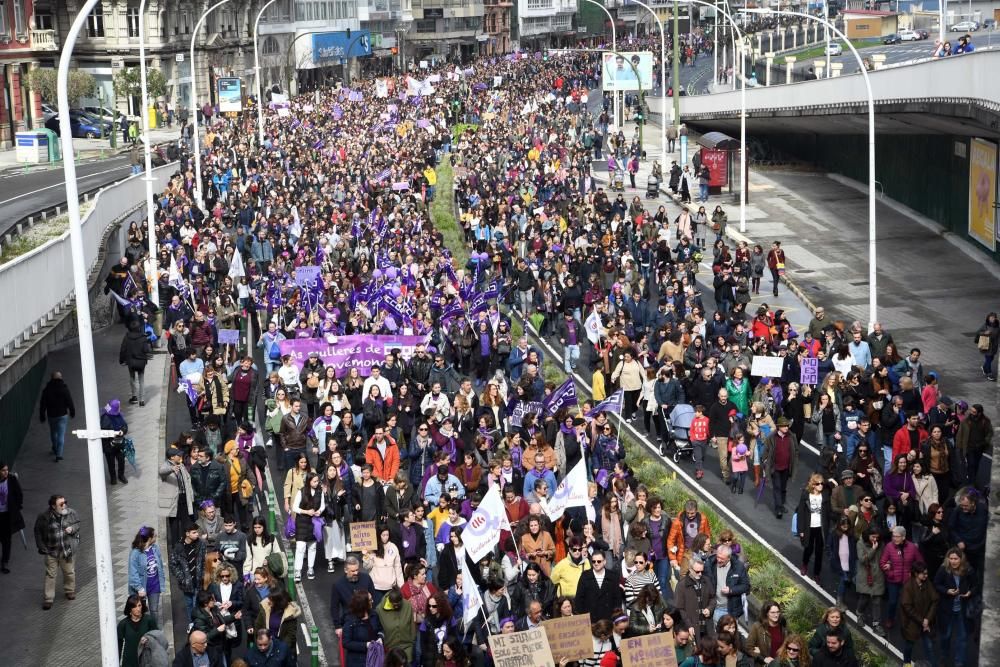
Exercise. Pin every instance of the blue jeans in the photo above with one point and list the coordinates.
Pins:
(662, 570)
(928, 644)
(570, 358)
(57, 434)
(893, 591)
(951, 625)
(189, 604)
(703, 192)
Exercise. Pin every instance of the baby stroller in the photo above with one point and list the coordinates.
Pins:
(619, 183)
(677, 444)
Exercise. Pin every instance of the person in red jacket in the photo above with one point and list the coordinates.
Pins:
(690, 522)
(382, 454)
(897, 558)
(776, 263)
(907, 439)
(698, 435)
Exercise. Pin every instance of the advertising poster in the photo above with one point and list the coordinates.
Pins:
(617, 74)
(336, 45)
(983, 192)
(230, 95)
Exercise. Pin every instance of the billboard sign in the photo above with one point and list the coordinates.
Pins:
(983, 192)
(618, 74)
(230, 95)
(332, 46)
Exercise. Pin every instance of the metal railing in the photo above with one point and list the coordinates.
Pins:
(38, 284)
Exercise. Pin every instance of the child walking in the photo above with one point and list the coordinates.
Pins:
(739, 464)
(698, 433)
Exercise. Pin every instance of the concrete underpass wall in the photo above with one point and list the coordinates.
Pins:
(928, 173)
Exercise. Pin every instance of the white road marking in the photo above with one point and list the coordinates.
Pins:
(59, 185)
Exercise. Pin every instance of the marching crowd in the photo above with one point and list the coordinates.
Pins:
(421, 439)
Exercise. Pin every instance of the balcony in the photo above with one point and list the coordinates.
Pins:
(44, 40)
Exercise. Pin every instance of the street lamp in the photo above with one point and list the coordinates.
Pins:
(88, 371)
(152, 275)
(256, 68)
(738, 70)
(194, 105)
(872, 275)
(614, 47)
(663, 80)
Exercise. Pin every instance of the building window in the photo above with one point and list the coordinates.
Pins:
(4, 26)
(20, 21)
(270, 46)
(539, 4)
(426, 25)
(95, 22)
(132, 19)
(44, 19)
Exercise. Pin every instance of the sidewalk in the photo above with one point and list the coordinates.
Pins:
(88, 150)
(67, 634)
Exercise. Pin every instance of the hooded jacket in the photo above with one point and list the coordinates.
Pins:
(135, 348)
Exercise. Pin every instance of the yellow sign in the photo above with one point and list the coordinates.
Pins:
(364, 536)
(653, 650)
(983, 192)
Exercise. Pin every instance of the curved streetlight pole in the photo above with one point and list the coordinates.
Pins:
(194, 105)
(152, 273)
(738, 70)
(256, 69)
(872, 273)
(88, 371)
(663, 80)
(614, 47)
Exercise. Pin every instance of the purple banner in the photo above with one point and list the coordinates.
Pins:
(229, 336)
(809, 371)
(346, 352)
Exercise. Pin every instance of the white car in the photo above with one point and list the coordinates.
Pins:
(833, 49)
(965, 26)
(909, 36)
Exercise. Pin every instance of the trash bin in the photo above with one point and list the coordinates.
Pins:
(32, 147)
(55, 147)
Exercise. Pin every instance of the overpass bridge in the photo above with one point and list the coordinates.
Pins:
(958, 95)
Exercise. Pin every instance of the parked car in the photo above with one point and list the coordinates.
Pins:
(891, 39)
(964, 26)
(834, 49)
(48, 111)
(923, 33)
(908, 35)
(109, 114)
(81, 124)
(989, 24)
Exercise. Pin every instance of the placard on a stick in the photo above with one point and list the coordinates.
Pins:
(524, 649)
(653, 650)
(229, 336)
(363, 536)
(570, 637)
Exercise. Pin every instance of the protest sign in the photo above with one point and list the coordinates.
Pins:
(809, 371)
(767, 366)
(307, 275)
(523, 408)
(570, 637)
(524, 649)
(363, 536)
(653, 650)
(229, 336)
(482, 532)
(346, 352)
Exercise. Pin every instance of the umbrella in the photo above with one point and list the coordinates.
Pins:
(760, 490)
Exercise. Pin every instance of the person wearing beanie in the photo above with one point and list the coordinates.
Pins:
(114, 448)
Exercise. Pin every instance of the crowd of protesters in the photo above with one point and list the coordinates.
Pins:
(345, 180)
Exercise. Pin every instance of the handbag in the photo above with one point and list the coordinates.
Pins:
(290, 526)
(781, 268)
(983, 343)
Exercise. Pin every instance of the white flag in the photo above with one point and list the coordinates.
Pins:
(471, 600)
(571, 492)
(593, 327)
(236, 269)
(482, 533)
(174, 274)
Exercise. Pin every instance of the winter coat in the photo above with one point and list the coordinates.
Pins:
(15, 502)
(56, 401)
(599, 600)
(357, 633)
(737, 580)
(870, 579)
(171, 488)
(135, 348)
(154, 653)
(57, 535)
(289, 620)
(188, 581)
(900, 559)
(919, 601)
(398, 627)
(638, 624)
(689, 601)
(760, 637)
(209, 482)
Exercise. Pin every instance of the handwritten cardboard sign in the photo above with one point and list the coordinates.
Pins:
(570, 637)
(524, 649)
(363, 536)
(653, 650)
(229, 336)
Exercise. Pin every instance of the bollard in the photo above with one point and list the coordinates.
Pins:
(314, 646)
(290, 578)
(272, 516)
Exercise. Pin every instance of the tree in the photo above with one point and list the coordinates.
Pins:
(128, 83)
(44, 80)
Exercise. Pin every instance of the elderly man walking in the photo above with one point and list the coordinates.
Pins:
(57, 535)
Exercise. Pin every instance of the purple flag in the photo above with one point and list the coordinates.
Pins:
(563, 397)
(612, 403)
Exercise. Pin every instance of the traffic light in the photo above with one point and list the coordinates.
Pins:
(394, 50)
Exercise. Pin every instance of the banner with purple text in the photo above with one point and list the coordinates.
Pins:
(346, 352)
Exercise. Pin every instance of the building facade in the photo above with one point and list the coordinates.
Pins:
(27, 39)
(497, 27)
(445, 30)
(543, 24)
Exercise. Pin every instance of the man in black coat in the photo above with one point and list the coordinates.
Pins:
(56, 405)
(353, 580)
(197, 645)
(11, 520)
(134, 354)
(599, 591)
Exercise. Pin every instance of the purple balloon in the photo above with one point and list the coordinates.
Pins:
(377, 273)
(391, 273)
(395, 290)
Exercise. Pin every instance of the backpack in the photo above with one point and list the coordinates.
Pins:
(276, 564)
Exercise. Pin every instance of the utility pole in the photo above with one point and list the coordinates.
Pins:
(677, 69)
